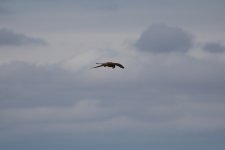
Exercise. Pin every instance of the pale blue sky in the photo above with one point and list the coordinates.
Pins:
(170, 96)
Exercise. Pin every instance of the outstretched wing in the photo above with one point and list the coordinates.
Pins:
(98, 66)
(119, 65)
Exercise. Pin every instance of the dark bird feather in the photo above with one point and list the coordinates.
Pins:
(109, 64)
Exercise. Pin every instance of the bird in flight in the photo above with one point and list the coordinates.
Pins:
(109, 64)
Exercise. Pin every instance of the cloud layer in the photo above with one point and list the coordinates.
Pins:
(170, 96)
(10, 38)
(160, 38)
(159, 99)
(214, 47)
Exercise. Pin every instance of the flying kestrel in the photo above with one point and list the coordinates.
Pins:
(109, 64)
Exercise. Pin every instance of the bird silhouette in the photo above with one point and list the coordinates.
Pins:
(109, 64)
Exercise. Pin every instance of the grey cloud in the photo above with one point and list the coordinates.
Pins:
(160, 38)
(40, 85)
(50, 100)
(155, 100)
(214, 47)
(104, 5)
(11, 38)
(25, 84)
(84, 5)
(4, 10)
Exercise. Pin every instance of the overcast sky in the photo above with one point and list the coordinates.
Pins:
(170, 96)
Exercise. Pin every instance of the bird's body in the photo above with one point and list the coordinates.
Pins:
(109, 64)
